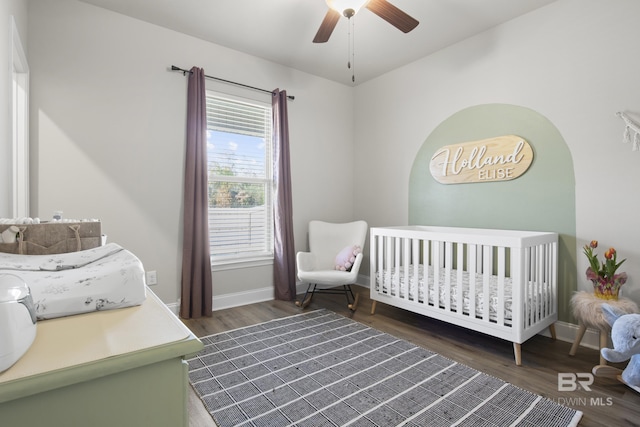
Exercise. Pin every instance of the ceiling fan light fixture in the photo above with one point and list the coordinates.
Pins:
(342, 6)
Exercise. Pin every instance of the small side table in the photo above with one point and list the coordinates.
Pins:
(587, 308)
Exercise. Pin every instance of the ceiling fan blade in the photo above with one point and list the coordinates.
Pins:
(392, 15)
(326, 28)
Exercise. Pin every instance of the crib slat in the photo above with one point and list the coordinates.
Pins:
(501, 273)
(487, 266)
(539, 283)
(534, 270)
(396, 249)
(547, 281)
(473, 269)
(448, 257)
(381, 266)
(532, 285)
(459, 278)
(542, 304)
(528, 294)
(413, 289)
(373, 264)
(538, 303)
(406, 263)
(428, 272)
(554, 276)
(387, 263)
(526, 278)
(438, 264)
(518, 277)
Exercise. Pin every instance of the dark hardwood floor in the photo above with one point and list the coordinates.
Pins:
(608, 403)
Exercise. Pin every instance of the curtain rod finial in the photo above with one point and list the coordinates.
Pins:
(184, 72)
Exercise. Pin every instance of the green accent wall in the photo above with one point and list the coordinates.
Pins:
(542, 199)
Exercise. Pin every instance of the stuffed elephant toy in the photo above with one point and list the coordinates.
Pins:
(625, 335)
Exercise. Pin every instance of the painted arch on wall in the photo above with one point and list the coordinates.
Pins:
(542, 199)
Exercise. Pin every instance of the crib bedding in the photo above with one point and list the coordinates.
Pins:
(394, 279)
(102, 278)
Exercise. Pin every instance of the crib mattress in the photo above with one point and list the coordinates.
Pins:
(395, 284)
(102, 278)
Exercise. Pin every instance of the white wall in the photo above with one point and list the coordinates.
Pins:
(108, 131)
(108, 123)
(575, 62)
(18, 10)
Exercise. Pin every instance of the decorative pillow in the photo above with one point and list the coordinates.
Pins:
(346, 257)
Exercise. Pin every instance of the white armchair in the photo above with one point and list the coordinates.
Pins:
(317, 267)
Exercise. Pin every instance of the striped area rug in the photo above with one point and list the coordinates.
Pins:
(322, 369)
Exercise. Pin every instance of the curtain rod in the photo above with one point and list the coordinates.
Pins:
(184, 72)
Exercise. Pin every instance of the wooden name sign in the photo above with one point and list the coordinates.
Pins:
(495, 159)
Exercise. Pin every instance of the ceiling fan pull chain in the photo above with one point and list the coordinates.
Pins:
(349, 43)
(352, 48)
(353, 53)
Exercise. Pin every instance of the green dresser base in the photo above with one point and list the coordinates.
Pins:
(146, 386)
(152, 395)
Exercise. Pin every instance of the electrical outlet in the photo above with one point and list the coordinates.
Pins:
(152, 278)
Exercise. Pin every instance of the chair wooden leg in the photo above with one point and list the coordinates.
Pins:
(347, 292)
(604, 337)
(517, 351)
(354, 305)
(552, 331)
(373, 307)
(581, 330)
(306, 300)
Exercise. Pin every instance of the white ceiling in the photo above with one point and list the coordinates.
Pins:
(282, 30)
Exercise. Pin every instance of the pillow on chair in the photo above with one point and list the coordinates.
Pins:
(346, 257)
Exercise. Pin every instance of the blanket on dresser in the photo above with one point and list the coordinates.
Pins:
(101, 278)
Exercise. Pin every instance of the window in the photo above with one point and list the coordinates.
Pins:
(239, 153)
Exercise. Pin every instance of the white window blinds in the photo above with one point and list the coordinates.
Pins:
(240, 179)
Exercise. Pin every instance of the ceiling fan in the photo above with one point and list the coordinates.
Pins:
(349, 8)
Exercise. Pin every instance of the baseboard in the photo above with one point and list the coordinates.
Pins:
(174, 307)
(236, 299)
(567, 332)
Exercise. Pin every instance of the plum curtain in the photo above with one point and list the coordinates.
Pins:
(284, 268)
(196, 290)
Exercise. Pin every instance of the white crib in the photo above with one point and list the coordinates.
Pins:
(499, 282)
